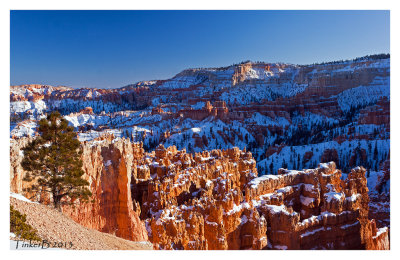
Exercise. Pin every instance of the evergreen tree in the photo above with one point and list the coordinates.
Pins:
(376, 152)
(271, 168)
(298, 162)
(190, 147)
(284, 165)
(19, 226)
(53, 160)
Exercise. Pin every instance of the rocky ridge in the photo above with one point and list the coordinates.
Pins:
(254, 105)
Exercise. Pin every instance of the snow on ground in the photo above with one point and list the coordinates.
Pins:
(181, 82)
(338, 196)
(23, 106)
(90, 135)
(306, 200)
(24, 128)
(289, 154)
(380, 231)
(352, 67)
(260, 119)
(258, 73)
(20, 197)
(364, 95)
(198, 105)
(196, 130)
(309, 120)
(265, 178)
(83, 119)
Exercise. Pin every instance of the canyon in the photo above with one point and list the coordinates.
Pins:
(216, 200)
(199, 161)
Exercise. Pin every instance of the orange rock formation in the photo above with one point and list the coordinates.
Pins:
(108, 167)
(215, 200)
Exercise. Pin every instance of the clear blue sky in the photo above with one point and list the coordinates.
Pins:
(114, 48)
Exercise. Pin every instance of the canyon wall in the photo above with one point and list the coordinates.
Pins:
(108, 167)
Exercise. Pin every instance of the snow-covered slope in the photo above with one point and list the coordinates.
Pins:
(286, 115)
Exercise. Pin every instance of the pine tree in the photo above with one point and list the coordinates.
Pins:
(298, 162)
(189, 147)
(284, 165)
(376, 152)
(53, 160)
(271, 167)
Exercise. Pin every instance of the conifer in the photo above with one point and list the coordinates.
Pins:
(53, 162)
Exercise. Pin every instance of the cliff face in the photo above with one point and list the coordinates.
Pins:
(16, 172)
(108, 168)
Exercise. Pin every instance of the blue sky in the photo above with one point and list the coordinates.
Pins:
(114, 48)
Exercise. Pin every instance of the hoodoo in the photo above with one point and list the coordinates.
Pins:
(215, 200)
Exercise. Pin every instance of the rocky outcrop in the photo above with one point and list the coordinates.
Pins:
(187, 200)
(109, 168)
(33, 92)
(317, 210)
(218, 111)
(109, 165)
(380, 198)
(17, 185)
(214, 200)
(377, 114)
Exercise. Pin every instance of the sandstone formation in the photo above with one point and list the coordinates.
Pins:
(311, 209)
(215, 200)
(187, 200)
(380, 199)
(218, 111)
(108, 167)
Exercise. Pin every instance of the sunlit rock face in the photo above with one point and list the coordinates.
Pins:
(108, 165)
(215, 200)
(17, 185)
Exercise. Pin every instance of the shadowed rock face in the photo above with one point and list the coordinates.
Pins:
(215, 200)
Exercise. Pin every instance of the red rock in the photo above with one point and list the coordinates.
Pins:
(108, 166)
(214, 200)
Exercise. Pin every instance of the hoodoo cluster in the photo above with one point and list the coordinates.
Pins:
(215, 200)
